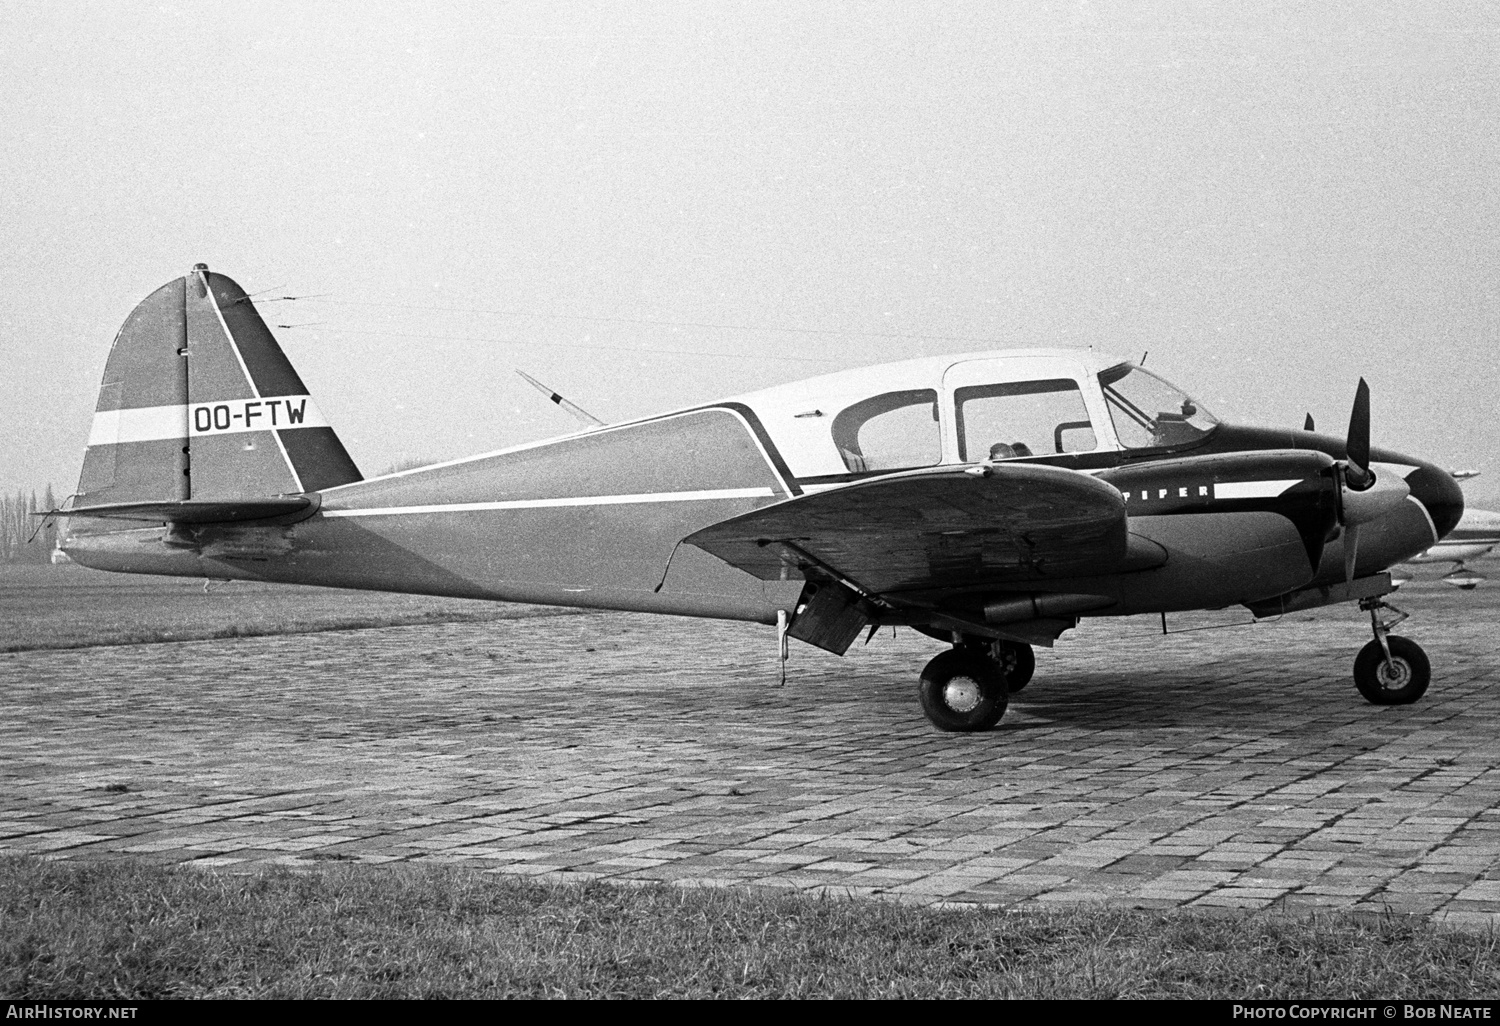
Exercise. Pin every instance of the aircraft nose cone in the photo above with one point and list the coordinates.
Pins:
(1436, 489)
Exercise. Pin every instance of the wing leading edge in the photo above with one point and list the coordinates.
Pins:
(933, 530)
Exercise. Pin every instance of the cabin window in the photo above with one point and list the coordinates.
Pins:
(1022, 418)
(894, 431)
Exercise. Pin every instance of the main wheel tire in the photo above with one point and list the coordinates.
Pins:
(1018, 662)
(963, 690)
(1401, 681)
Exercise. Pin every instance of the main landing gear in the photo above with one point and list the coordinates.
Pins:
(1017, 660)
(1390, 670)
(968, 687)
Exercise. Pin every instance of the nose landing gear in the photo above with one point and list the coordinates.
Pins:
(1390, 670)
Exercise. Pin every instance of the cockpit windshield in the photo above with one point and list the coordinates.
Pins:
(1148, 413)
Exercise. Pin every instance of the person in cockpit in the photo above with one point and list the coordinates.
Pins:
(1009, 450)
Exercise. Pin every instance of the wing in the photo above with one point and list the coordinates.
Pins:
(942, 528)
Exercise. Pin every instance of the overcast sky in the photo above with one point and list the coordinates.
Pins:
(648, 205)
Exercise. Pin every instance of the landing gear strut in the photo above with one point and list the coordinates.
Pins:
(1390, 670)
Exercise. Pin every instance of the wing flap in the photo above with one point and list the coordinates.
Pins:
(943, 528)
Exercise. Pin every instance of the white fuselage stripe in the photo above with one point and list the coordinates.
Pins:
(1252, 489)
(579, 500)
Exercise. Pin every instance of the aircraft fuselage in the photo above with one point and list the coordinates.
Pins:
(595, 520)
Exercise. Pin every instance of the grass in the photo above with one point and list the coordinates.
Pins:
(126, 930)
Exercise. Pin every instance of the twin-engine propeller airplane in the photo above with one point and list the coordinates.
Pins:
(988, 500)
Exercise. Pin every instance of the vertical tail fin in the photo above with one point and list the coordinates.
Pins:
(200, 403)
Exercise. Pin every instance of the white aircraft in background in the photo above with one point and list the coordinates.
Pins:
(1475, 537)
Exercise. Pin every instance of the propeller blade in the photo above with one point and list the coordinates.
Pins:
(1358, 475)
(1363, 497)
(1307, 425)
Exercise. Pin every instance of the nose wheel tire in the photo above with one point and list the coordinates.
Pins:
(963, 690)
(1400, 680)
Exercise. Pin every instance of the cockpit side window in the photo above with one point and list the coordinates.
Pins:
(1022, 418)
(1149, 413)
(893, 431)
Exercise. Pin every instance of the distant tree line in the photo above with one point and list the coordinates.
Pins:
(23, 537)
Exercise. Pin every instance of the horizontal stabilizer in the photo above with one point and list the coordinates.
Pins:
(199, 511)
(936, 529)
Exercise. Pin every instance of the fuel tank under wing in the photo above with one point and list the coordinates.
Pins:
(934, 529)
